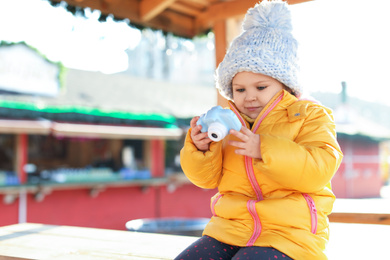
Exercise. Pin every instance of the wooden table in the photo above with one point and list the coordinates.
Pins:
(37, 241)
(44, 242)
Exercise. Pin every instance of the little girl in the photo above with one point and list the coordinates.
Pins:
(273, 176)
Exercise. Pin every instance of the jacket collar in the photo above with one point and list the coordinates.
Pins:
(283, 99)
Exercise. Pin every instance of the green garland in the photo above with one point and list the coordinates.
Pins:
(168, 119)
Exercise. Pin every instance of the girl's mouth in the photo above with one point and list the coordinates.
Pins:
(252, 108)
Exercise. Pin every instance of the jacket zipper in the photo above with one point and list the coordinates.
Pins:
(313, 212)
(251, 204)
(213, 204)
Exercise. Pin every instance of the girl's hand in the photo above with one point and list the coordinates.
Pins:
(201, 140)
(249, 144)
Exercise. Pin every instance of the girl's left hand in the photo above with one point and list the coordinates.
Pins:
(249, 145)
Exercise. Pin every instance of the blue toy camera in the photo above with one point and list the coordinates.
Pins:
(218, 122)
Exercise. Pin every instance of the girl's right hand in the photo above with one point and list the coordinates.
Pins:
(201, 140)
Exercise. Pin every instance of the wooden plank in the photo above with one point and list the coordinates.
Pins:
(36, 241)
(117, 132)
(220, 32)
(226, 10)
(364, 211)
(21, 154)
(185, 9)
(149, 9)
(9, 126)
(222, 11)
(362, 218)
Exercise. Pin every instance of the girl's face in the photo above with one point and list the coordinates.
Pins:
(252, 92)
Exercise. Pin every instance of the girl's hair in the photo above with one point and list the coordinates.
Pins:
(292, 91)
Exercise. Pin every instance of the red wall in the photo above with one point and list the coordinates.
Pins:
(359, 174)
(113, 207)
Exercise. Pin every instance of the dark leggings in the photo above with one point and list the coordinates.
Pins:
(208, 248)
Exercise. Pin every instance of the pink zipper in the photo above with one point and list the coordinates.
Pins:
(313, 212)
(251, 204)
(213, 204)
(252, 178)
(267, 112)
(237, 114)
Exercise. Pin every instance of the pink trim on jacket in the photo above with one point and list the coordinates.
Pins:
(313, 212)
(251, 204)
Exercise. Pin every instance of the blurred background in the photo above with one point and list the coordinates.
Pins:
(94, 109)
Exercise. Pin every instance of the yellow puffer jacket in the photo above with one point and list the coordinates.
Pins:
(282, 200)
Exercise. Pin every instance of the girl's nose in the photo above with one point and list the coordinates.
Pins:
(250, 98)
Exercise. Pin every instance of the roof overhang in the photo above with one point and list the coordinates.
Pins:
(186, 18)
(46, 127)
(115, 132)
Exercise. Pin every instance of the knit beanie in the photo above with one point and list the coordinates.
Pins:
(265, 46)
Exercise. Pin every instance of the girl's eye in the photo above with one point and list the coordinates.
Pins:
(261, 88)
(240, 90)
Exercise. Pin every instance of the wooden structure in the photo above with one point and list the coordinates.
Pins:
(185, 18)
(36, 241)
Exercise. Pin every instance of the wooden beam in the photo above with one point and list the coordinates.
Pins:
(222, 11)
(361, 218)
(173, 22)
(157, 14)
(364, 211)
(115, 132)
(220, 51)
(169, 21)
(158, 158)
(21, 156)
(37, 127)
(185, 9)
(226, 10)
(202, 2)
(293, 2)
(149, 9)
(120, 8)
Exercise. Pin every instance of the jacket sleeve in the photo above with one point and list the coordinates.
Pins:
(308, 163)
(204, 169)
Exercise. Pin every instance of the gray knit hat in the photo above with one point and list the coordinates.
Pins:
(265, 46)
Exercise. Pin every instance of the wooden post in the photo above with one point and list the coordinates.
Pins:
(224, 32)
(21, 158)
(220, 50)
(21, 151)
(158, 158)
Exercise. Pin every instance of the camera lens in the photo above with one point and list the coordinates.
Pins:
(214, 135)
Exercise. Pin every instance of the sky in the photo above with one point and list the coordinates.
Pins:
(345, 40)
(340, 40)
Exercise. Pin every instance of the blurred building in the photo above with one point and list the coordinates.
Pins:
(104, 146)
(363, 171)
